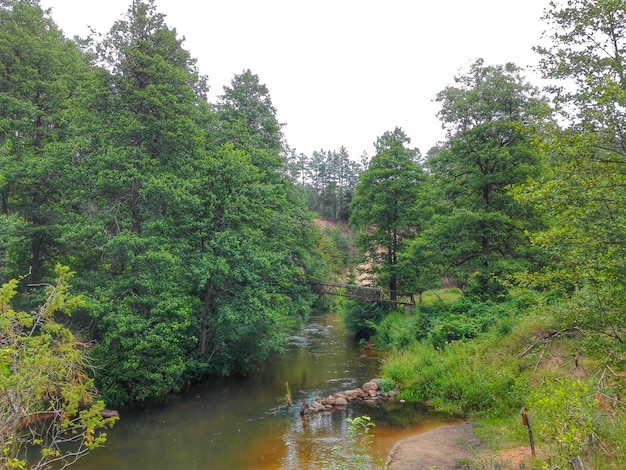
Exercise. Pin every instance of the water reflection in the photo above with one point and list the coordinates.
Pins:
(245, 424)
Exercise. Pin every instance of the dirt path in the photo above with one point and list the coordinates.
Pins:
(440, 449)
(451, 447)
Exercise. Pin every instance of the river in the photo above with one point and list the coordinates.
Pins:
(245, 424)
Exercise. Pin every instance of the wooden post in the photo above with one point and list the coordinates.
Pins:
(526, 422)
(577, 463)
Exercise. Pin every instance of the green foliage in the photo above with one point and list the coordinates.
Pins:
(439, 355)
(612, 434)
(386, 206)
(563, 413)
(330, 179)
(48, 400)
(41, 81)
(398, 331)
(458, 380)
(330, 254)
(193, 251)
(479, 227)
(386, 385)
(361, 317)
(443, 323)
(248, 120)
(438, 296)
(486, 287)
(583, 195)
(344, 242)
(454, 328)
(353, 453)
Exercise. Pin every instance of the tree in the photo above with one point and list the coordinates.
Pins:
(145, 141)
(481, 227)
(584, 196)
(251, 250)
(248, 120)
(386, 205)
(40, 80)
(49, 412)
(587, 53)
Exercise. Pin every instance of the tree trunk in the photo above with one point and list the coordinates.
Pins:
(36, 261)
(208, 306)
(134, 207)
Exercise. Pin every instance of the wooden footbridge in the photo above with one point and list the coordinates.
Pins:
(365, 293)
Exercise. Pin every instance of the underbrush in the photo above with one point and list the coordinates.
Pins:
(487, 360)
(457, 380)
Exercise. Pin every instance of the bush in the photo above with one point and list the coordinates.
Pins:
(362, 317)
(386, 385)
(564, 411)
(398, 331)
(483, 287)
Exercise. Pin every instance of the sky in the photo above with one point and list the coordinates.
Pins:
(339, 72)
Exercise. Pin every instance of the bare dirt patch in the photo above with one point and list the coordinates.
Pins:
(452, 447)
(444, 448)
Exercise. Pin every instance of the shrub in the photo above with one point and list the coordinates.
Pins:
(454, 328)
(397, 330)
(353, 452)
(386, 385)
(362, 317)
(564, 411)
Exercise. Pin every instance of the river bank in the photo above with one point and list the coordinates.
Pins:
(448, 448)
(441, 448)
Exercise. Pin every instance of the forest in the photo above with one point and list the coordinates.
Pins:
(157, 238)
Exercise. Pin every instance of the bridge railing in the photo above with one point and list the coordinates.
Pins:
(366, 293)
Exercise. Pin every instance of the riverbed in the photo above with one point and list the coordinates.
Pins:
(245, 424)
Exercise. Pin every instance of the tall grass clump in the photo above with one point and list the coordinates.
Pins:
(458, 379)
(444, 296)
(399, 331)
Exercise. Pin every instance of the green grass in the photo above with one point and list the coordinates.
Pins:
(446, 296)
(489, 377)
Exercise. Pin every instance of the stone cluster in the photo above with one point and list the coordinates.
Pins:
(368, 391)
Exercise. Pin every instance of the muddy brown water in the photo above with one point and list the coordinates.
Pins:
(245, 424)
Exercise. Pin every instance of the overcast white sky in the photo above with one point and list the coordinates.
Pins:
(340, 72)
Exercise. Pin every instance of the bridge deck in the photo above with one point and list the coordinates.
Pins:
(372, 294)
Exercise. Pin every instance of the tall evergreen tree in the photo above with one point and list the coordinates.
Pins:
(386, 208)
(40, 81)
(149, 137)
(481, 228)
(254, 237)
(248, 120)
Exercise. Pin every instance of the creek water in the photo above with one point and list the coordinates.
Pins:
(245, 424)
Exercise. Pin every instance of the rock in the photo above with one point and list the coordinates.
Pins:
(355, 393)
(370, 386)
(341, 401)
(369, 391)
(317, 406)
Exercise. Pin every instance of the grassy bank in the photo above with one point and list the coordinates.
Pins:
(488, 360)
